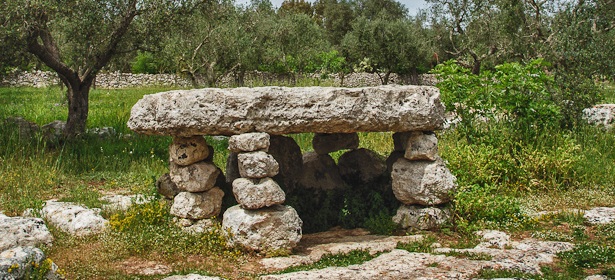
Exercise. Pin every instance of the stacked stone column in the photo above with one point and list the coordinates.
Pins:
(194, 174)
(260, 222)
(421, 181)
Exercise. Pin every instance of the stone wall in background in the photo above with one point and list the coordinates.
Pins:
(127, 80)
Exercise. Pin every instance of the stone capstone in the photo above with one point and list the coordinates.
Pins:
(188, 150)
(197, 177)
(74, 219)
(320, 172)
(325, 143)
(255, 193)
(422, 218)
(421, 146)
(19, 231)
(422, 182)
(265, 230)
(196, 206)
(16, 263)
(361, 166)
(249, 142)
(257, 165)
(166, 187)
(283, 110)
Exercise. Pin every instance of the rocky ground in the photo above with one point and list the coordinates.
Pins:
(20, 237)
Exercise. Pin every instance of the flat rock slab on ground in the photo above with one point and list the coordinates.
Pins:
(192, 277)
(600, 215)
(118, 202)
(525, 255)
(74, 219)
(339, 241)
(19, 231)
(16, 262)
(283, 110)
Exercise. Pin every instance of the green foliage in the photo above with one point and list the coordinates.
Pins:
(423, 245)
(589, 255)
(469, 255)
(144, 63)
(477, 207)
(335, 260)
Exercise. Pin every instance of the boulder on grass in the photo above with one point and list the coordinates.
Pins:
(19, 231)
(19, 262)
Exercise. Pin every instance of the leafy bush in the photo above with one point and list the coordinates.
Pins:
(144, 63)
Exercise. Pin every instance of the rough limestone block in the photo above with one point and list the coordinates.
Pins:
(361, 166)
(19, 231)
(421, 146)
(320, 172)
(197, 177)
(282, 110)
(257, 165)
(273, 229)
(255, 194)
(400, 139)
(203, 205)
(188, 150)
(288, 155)
(166, 187)
(422, 182)
(325, 143)
(420, 217)
(249, 142)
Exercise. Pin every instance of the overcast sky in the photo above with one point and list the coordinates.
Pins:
(412, 5)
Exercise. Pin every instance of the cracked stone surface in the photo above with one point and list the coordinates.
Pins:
(525, 255)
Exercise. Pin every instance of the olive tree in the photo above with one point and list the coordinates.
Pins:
(77, 39)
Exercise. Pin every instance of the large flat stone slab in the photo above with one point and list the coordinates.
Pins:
(281, 110)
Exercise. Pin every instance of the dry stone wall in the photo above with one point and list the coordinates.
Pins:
(256, 118)
(127, 80)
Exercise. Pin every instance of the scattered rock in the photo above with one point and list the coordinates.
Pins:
(287, 110)
(320, 172)
(18, 231)
(325, 143)
(421, 146)
(118, 202)
(597, 277)
(257, 165)
(601, 114)
(54, 131)
(166, 187)
(17, 262)
(422, 218)
(26, 129)
(600, 215)
(361, 166)
(192, 277)
(273, 229)
(188, 150)
(138, 266)
(422, 182)
(196, 206)
(74, 219)
(255, 194)
(102, 132)
(249, 142)
(493, 239)
(197, 177)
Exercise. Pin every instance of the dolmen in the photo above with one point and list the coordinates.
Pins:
(254, 117)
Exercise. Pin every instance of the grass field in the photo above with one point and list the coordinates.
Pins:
(500, 183)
